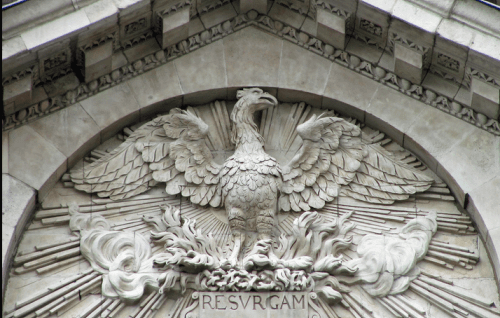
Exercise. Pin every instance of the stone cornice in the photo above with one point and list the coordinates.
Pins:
(371, 70)
(463, 62)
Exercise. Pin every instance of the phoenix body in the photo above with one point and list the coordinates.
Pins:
(252, 187)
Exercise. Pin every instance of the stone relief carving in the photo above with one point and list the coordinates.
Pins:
(299, 210)
(448, 62)
(370, 27)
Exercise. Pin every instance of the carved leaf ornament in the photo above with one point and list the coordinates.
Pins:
(288, 209)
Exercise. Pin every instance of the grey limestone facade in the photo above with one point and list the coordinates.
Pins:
(380, 114)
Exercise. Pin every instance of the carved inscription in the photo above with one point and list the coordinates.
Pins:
(250, 305)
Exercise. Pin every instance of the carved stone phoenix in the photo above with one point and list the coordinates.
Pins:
(333, 159)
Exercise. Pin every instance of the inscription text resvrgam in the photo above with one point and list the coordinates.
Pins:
(252, 301)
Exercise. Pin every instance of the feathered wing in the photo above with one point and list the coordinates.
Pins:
(170, 149)
(333, 160)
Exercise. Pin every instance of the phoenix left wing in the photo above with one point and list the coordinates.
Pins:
(333, 160)
(170, 149)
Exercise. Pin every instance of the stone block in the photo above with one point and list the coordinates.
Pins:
(12, 47)
(287, 16)
(493, 247)
(435, 82)
(18, 202)
(345, 97)
(485, 98)
(257, 5)
(421, 139)
(370, 53)
(18, 93)
(155, 86)
(474, 13)
(417, 16)
(304, 71)
(141, 50)
(310, 27)
(71, 130)
(118, 60)
(127, 7)
(252, 58)
(34, 160)
(331, 28)
(101, 10)
(219, 15)
(174, 27)
(195, 26)
(57, 29)
(61, 85)
(408, 63)
(392, 112)
(201, 70)
(21, 18)
(470, 163)
(483, 206)
(112, 109)
(98, 61)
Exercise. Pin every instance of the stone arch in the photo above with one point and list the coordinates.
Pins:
(37, 154)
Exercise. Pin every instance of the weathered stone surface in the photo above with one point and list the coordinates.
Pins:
(148, 47)
(417, 16)
(31, 14)
(18, 93)
(98, 61)
(283, 14)
(156, 86)
(483, 207)
(5, 152)
(302, 71)
(174, 28)
(71, 130)
(18, 201)
(55, 30)
(436, 84)
(485, 98)
(342, 96)
(480, 153)
(12, 47)
(203, 70)
(121, 108)
(401, 114)
(61, 85)
(34, 160)
(218, 15)
(492, 244)
(244, 66)
(408, 63)
(471, 12)
(433, 134)
(102, 10)
(331, 28)
(257, 5)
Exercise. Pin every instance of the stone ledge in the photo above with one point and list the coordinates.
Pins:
(460, 110)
